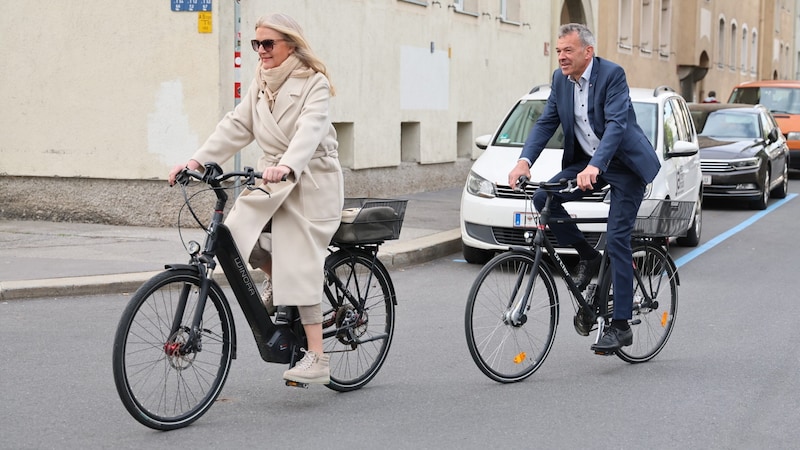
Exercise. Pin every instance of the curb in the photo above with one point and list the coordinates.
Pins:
(393, 255)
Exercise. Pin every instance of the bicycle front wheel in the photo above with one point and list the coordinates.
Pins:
(504, 349)
(655, 303)
(162, 383)
(357, 337)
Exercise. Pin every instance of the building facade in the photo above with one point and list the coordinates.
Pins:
(697, 46)
(102, 99)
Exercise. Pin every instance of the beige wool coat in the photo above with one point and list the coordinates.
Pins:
(306, 209)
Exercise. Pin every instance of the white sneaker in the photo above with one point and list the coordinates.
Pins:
(266, 296)
(312, 369)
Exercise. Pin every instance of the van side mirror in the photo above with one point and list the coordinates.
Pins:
(483, 141)
(683, 148)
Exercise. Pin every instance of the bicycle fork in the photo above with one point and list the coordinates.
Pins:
(515, 313)
(191, 342)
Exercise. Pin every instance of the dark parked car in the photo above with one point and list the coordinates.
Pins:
(742, 152)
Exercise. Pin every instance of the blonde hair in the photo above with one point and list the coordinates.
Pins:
(293, 34)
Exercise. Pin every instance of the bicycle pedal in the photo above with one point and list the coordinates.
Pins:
(604, 353)
(296, 384)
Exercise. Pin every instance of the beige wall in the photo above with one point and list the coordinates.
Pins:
(99, 89)
(124, 90)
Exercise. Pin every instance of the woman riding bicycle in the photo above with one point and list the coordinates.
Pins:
(284, 227)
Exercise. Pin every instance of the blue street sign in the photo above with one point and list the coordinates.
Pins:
(191, 5)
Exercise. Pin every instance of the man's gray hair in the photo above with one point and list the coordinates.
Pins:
(585, 35)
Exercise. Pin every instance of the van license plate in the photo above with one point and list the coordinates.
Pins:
(525, 219)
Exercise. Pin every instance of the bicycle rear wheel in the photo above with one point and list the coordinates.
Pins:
(357, 339)
(504, 351)
(161, 384)
(655, 303)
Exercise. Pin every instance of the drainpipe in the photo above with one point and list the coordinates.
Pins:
(237, 79)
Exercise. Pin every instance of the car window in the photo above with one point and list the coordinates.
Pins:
(767, 123)
(686, 127)
(515, 129)
(670, 127)
(776, 99)
(722, 124)
(646, 116)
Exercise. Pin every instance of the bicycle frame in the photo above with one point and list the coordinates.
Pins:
(276, 343)
(541, 242)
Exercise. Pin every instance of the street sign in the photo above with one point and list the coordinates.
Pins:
(191, 5)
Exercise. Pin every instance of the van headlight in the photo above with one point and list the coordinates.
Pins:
(479, 186)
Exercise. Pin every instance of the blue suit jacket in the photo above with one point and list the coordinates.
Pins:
(612, 118)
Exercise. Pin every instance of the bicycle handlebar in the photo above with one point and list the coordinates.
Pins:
(214, 175)
(562, 186)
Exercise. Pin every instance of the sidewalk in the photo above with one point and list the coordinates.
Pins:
(56, 259)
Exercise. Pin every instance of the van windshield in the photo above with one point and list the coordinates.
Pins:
(776, 99)
(515, 130)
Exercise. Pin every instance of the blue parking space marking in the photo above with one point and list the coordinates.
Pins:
(722, 237)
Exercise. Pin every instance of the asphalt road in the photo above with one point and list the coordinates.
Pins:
(728, 378)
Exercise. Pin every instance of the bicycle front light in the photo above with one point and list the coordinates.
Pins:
(193, 248)
(479, 186)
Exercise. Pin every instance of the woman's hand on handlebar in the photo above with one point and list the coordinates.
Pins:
(173, 174)
(275, 174)
(519, 170)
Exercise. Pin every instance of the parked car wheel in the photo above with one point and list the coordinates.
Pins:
(476, 255)
(692, 238)
(783, 189)
(763, 199)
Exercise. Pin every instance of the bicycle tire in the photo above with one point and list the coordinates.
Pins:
(652, 322)
(502, 351)
(166, 391)
(357, 350)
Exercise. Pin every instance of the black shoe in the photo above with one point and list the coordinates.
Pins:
(284, 315)
(613, 340)
(587, 269)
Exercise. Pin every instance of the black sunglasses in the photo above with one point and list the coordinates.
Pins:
(268, 44)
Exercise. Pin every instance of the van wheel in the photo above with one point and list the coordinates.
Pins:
(692, 238)
(476, 255)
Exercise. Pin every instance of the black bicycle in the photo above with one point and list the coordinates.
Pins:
(513, 306)
(176, 338)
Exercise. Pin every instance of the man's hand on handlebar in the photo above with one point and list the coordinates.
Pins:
(588, 177)
(519, 170)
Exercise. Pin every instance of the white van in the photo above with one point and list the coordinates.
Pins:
(490, 209)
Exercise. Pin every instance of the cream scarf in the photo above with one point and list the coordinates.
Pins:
(271, 80)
